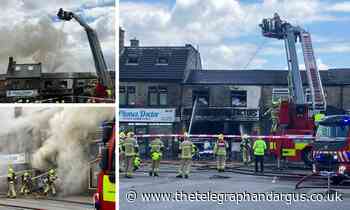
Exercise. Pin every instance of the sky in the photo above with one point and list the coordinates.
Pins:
(227, 32)
(31, 32)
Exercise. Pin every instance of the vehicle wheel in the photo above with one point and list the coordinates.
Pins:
(337, 180)
(306, 156)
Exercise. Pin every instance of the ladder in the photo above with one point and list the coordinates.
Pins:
(313, 75)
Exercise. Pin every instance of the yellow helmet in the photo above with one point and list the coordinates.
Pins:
(52, 171)
(122, 135)
(130, 134)
(11, 170)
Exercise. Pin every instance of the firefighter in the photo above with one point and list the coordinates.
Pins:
(259, 148)
(157, 147)
(274, 112)
(245, 146)
(11, 180)
(187, 149)
(26, 183)
(121, 152)
(130, 149)
(220, 148)
(50, 182)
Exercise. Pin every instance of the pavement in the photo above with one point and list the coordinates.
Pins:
(60, 203)
(135, 193)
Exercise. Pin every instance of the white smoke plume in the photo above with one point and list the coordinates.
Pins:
(56, 138)
(39, 42)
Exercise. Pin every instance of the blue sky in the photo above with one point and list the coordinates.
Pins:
(227, 31)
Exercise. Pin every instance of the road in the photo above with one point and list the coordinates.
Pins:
(41, 204)
(205, 181)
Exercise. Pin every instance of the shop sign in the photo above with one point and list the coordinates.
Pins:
(147, 115)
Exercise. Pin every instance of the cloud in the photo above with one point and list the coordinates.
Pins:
(216, 26)
(35, 35)
(340, 7)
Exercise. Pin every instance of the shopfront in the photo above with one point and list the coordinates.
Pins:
(148, 121)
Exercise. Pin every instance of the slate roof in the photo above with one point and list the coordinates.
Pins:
(24, 71)
(261, 77)
(180, 59)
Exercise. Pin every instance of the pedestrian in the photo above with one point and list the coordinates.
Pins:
(157, 148)
(220, 148)
(259, 148)
(130, 149)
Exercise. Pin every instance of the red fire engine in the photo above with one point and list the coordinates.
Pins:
(104, 198)
(294, 115)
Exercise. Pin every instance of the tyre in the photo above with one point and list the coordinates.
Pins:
(306, 156)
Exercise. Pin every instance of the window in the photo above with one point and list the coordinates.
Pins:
(152, 96)
(18, 68)
(163, 60)
(48, 84)
(163, 96)
(239, 98)
(131, 95)
(203, 98)
(122, 96)
(157, 96)
(133, 60)
(30, 68)
(64, 84)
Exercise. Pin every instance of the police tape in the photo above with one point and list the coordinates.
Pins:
(301, 137)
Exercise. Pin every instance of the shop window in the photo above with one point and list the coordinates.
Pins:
(152, 96)
(163, 96)
(131, 95)
(239, 98)
(122, 96)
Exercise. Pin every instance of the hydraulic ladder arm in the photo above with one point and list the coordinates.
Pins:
(100, 63)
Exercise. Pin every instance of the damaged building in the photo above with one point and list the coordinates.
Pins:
(28, 83)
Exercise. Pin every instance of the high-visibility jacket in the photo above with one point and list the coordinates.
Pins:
(259, 147)
(130, 145)
(186, 149)
(156, 145)
(220, 148)
(319, 117)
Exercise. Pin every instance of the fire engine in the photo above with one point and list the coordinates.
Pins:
(332, 148)
(295, 114)
(104, 198)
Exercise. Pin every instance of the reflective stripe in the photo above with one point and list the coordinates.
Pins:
(300, 146)
(108, 189)
(273, 145)
(346, 156)
(288, 152)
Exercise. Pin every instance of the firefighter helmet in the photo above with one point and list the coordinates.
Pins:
(122, 135)
(221, 136)
(130, 134)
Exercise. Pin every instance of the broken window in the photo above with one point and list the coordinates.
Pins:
(239, 98)
(64, 84)
(48, 84)
(203, 98)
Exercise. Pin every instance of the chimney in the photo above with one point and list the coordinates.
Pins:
(134, 42)
(11, 65)
(121, 39)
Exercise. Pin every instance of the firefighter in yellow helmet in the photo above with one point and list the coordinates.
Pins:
(130, 149)
(11, 180)
(220, 148)
(274, 112)
(122, 137)
(26, 183)
(187, 149)
(245, 146)
(50, 182)
(157, 147)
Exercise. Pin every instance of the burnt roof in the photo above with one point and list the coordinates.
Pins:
(180, 59)
(261, 77)
(24, 71)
